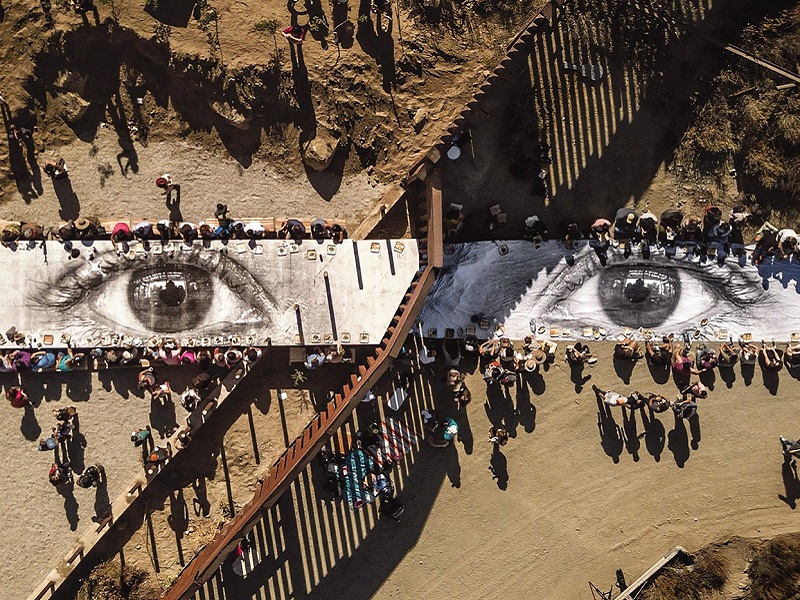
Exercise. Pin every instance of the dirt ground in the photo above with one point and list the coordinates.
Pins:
(40, 524)
(575, 495)
(151, 80)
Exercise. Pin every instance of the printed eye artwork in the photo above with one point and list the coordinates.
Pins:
(534, 287)
(671, 294)
(203, 292)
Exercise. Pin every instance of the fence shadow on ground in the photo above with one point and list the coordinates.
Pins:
(310, 540)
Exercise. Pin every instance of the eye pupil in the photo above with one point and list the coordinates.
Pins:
(172, 294)
(639, 296)
(637, 291)
(170, 298)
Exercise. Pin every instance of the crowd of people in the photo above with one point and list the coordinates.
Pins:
(122, 233)
(709, 233)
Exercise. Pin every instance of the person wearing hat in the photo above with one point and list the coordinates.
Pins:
(86, 227)
(165, 184)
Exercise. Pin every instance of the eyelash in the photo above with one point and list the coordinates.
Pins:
(585, 268)
(78, 282)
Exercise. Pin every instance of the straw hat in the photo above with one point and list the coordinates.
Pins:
(630, 218)
(82, 224)
(531, 365)
(539, 356)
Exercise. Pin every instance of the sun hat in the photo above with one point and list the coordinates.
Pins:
(539, 356)
(82, 224)
(630, 218)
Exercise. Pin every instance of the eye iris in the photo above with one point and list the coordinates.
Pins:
(170, 298)
(639, 296)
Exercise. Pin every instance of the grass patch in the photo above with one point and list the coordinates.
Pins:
(707, 574)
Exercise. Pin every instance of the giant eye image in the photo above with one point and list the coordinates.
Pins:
(206, 293)
(531, 289)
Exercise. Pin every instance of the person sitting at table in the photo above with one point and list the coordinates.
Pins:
(706, 359)
(691, 231)
(206, 231)
(338, 233)
(766, 242)
(254, 230)
(626, 223)
(232, 357)
(489, 348)
(728, 354)
(292, 230)
(579, 354)
(749, 354)
(770, 357)
(253, 353)
(600, 232)
(120, 236)
(648, 228)
(169, 351)
(314, 359)
(143, 230)
(627, 349)
(188, 232)
(69, 361)
(659, 353)
(787, 243)
(792, 356)
(21, 360)
(508, 359)
(42, 360)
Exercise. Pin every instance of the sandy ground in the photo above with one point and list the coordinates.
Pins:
(108, 186)
(572, 504)
(109, 408)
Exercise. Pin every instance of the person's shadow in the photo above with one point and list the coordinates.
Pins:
(67, 199)
(174, 204)
(654, 436)
(526, 411)
(498, 465)
(748, 372)
(576, 375)
(624, 368)
(70, 505)
(678, 442)
(200, 503)
(791, 484)
(30, 426)
(465, 435)
(102, 503)
(162, 417)
(632, 442)
(694, 428)
(728, 375)
(452, 465)
(178, 518)
(611, 438)
(76, 446)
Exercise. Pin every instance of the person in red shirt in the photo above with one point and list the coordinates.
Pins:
(17, 397)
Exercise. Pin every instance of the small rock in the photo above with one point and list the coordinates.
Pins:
(230, 114)
(420, 117)
(318, 152)
(73, 106)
